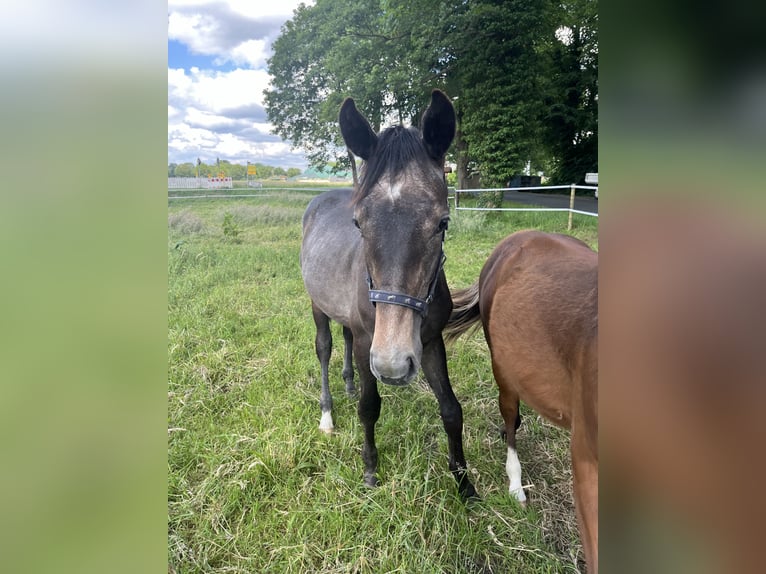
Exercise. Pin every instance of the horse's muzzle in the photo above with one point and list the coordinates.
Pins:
(397, 372)
(395, 382)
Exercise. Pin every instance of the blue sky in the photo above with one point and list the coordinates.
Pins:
(179, 56)
(217, 53)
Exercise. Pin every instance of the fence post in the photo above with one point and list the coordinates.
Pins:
(571, 206)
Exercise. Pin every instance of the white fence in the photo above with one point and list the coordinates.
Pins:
(200, 183)
(572, 189)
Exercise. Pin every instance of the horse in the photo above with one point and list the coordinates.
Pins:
(537, 299)
(372, 260)
(684, 371)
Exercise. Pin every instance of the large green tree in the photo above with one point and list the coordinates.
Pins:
(326, 52)
(500, 61)
(500, 53)
(571, 120)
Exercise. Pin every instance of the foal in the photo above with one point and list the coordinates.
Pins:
(537, 298)
(372, 260)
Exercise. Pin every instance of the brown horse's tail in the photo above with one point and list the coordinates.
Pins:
(465, 313)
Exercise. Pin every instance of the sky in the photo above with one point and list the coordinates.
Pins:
(217, 52)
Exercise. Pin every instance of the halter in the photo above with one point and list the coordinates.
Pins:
(414, 303)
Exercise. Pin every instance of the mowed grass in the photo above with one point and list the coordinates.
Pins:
(254, 486)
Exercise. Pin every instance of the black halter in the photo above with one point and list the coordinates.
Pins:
(414, 303)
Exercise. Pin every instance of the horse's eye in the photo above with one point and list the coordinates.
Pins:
(443, 224)
(356, 223)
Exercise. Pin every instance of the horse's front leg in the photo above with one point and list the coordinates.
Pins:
(323, 346)
(368, 408)
(348, 365)
(434, 364)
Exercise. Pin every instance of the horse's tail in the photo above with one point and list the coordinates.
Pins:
(465, 313)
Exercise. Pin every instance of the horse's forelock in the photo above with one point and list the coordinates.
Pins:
(397, 147)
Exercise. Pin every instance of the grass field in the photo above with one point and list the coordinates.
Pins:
(254, 486)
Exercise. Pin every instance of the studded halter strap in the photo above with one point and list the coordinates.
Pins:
(414, 303)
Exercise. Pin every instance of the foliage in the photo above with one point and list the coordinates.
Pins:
(329, 51)
(499, 65)
(185, 221)
(571, 120)
(523, 97)
(230, 228)
(490, 199)
(233, 170)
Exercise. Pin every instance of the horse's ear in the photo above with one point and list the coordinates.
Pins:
(438, 125)
(356, 130)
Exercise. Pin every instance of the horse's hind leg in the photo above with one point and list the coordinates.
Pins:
(585, 483)
(584, 446)
(348, 366)
(509, 408)
(323, 344)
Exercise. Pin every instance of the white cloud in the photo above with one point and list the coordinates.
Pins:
(252, 53)
(219, 112)
(215, 91)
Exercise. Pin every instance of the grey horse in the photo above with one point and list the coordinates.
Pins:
(372, 260)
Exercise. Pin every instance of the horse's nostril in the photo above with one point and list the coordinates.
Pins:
(412, 371)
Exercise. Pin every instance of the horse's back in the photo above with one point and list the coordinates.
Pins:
(539, 297)
(330, 254)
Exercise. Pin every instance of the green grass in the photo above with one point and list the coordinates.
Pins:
(254, 486)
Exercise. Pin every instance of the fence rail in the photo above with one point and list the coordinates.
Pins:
(571, 210)
(264, 192)
(454, 194)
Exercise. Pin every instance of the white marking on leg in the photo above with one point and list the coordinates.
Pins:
(325, 424)
(513, 469)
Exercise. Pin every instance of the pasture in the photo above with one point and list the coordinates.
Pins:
(254, 486)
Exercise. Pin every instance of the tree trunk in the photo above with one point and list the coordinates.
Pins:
(461, 147)
(462, 160)
(352, 159)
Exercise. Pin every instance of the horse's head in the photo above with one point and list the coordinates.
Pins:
(401, 210)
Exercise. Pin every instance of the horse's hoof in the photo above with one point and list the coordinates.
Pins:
(371, 481)
(325, 424)
(469, 495)
(520, 497)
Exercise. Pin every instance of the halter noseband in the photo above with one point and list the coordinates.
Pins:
(414, 303)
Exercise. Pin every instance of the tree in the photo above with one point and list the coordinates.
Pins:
(499, 64)
(572, 101)
(332, 50)
(498, 60)
(186, 169)
(293, 172)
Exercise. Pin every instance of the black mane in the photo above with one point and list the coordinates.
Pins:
(396, 148)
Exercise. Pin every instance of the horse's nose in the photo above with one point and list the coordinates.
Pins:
(396, 369)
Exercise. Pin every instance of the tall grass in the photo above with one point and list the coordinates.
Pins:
(254, 486)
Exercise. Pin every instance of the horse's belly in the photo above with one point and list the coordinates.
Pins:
(529, 367)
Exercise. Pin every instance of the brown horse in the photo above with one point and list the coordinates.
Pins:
(684, 371)
(537, 298)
